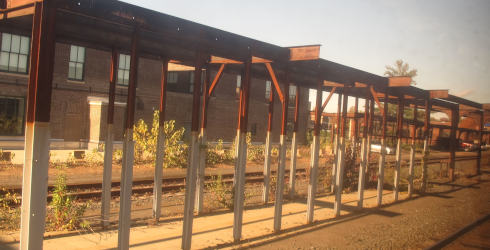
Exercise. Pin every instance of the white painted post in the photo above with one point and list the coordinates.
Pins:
(425, 159)
(315, 150)
(201, 171)
(239, 186)
(37, 132)
(107, 176)
(157, 181)
(34, 185)
(397, 168)
(292, 168)
(336, 144)
(160, 147)
(267, 168)
(362, 173)
(381, 173)
(280, 185)
(411, 169)
(190, 191)
(339, 180)
(126, 190)
(313, 179)
(335, 161)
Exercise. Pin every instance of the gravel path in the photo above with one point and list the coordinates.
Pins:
(416, 223)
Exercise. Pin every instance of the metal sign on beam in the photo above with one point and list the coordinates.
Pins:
(304, 53)
(440, 93)
(399, 81)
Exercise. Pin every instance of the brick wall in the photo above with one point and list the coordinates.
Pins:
(71, 117)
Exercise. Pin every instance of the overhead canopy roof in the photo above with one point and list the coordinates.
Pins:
(104, 24)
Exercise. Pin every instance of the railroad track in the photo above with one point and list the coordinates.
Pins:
(175, 184)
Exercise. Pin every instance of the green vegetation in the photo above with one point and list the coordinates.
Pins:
(64, 213)
(146, 141)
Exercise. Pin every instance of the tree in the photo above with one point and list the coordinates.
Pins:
(400, 69)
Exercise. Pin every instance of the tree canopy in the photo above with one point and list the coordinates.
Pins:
(400, 68)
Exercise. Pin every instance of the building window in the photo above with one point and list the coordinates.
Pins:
(12, 116)
(14, 53)
(77, 63)
(292, 94)
(253, 129)
(238, 85)
(123, 69)
(268, 86)
(173, 77)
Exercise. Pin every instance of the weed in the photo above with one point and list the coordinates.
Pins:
(220, 192)
(63, 212)
(146, 141)
(9, 210)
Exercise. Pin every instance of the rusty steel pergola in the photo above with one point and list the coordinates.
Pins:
(116, 26)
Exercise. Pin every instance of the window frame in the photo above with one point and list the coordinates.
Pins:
(170, 79)
(28, 55)
(76, 62)
(123, 70)
(23, 100)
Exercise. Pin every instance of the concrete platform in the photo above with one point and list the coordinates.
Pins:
(216, 230)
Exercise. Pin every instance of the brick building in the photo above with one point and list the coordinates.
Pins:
(80, 97)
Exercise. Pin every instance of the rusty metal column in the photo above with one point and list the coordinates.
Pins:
(425, 156)
(480, 140)
(107, 174)
(36, 148)
(128, 149)
(268, 148)
(355, 130)
(241, 161)
(339, 178)
(412, 153)
(294, 147)
(364, 160)
(160, 150)
(398, 159)
(315, 148)
(203, 142)
(370, 133)
(193, 164)
(336, 144)
(282, 158)
(382, 154)
(452, 145)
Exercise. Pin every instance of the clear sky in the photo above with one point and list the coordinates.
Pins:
(447, 41)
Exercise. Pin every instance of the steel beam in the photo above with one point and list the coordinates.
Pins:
(339, 178)
(364, 159)
(412, 153)
(382, 154)
(36, 156)
(453, 142)
(294, 145)
(398, 160)
(203, 142)
(480, 141)
(268, 148)
(336, 144)
(425, 157)
(193, 165)
(128, 149)
(315, 148)
(160, 150)
(282, 159)
(241, 160)
(107, 174)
